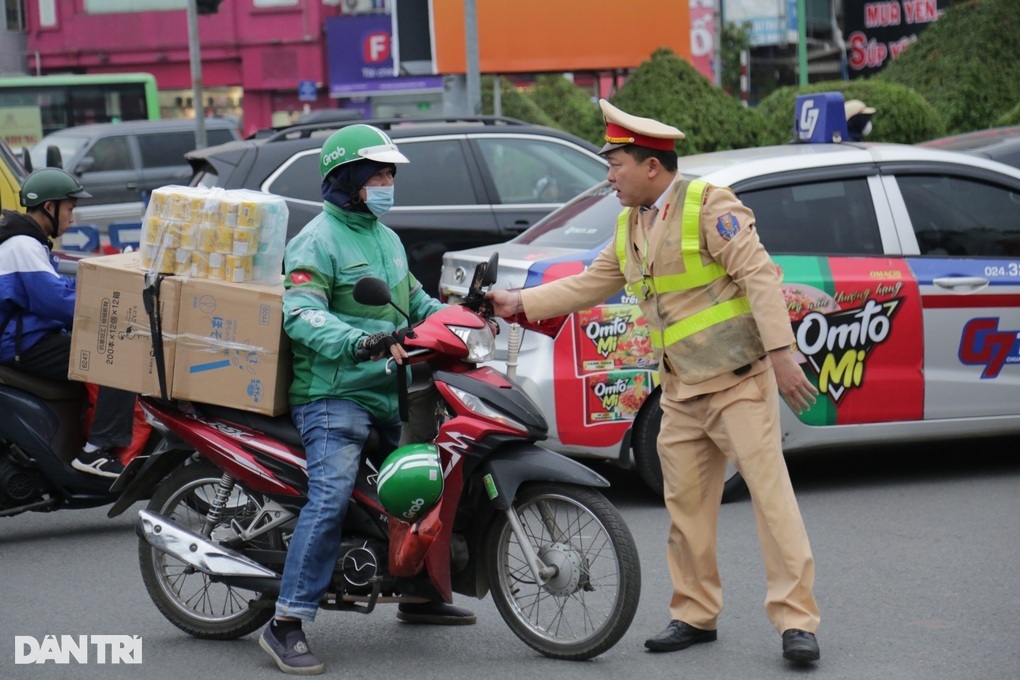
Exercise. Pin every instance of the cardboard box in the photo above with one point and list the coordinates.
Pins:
(111, 341)
(231, 349)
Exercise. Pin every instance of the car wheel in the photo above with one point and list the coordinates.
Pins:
(644, 434)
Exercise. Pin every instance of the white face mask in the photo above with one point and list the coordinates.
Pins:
(867, 129)
(379, 200)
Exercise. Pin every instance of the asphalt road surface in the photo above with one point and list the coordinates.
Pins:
(918, 565)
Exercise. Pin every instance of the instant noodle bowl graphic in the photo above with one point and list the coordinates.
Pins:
(634, 397)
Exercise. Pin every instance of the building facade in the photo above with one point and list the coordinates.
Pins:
(268, 61)
(254, 53)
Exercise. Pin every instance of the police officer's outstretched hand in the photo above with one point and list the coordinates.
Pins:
(796, 389)
(505, 303)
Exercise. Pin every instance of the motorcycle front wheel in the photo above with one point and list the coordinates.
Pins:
(188, 598)
(590, 601)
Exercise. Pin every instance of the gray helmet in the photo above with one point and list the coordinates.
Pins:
(50, 184)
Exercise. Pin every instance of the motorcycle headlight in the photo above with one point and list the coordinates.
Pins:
(480, 407)
(480, 343)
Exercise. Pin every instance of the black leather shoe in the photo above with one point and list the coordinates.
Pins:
(679, 635)
(799, 645)
(436, 613)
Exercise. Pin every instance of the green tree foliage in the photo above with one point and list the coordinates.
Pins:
(514, 104)
(902, 115)
(570, 106)
(553, 101)
(1011, 117)
(967, 64)
(670, 90)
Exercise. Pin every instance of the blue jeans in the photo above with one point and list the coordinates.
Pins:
(333, 432)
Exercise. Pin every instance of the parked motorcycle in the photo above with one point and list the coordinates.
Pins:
(40, 434)
(515, 519)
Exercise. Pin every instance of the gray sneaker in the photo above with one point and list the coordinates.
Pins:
(292, 655)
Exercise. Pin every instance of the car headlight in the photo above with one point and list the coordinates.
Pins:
(480, 343)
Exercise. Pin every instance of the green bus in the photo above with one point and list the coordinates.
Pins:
(34, 106)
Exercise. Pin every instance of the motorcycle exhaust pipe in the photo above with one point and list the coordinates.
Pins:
(219, 562)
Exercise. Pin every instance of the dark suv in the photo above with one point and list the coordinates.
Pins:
(471, 181)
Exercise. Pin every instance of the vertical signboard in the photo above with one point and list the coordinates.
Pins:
(360, 55)
(876, 32)
(703, 37)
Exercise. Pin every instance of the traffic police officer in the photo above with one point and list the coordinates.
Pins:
(711, 297)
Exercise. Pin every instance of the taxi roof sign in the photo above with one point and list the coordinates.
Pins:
(819, 118)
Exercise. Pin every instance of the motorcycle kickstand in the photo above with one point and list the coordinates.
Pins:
(543, 573)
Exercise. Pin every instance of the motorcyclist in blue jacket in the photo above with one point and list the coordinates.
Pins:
(37, 310)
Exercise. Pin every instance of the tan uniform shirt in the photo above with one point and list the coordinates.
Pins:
(739, 252)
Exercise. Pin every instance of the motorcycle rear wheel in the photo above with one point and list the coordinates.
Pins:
(186, 597)
(587, 607)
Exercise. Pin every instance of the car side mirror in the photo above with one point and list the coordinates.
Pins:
(53, 158)
(85, 165)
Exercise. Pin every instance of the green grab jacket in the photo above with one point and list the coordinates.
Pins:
(325, 324)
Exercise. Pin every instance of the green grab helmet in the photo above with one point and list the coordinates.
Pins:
(411, 481)
(50, 184)
(355, 143)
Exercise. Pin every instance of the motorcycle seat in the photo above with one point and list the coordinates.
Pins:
(48, 390)
(279, 427)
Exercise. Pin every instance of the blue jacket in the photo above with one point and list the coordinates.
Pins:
(30, 287)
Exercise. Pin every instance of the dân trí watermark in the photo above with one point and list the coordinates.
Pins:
(81, 649)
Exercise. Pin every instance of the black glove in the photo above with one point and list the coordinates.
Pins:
(374, 346)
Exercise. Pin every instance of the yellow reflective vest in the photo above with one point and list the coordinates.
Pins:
(720, 335)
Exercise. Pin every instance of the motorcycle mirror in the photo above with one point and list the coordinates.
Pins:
(485, 275)
(376, 293)
(491, 268)
(372, 291)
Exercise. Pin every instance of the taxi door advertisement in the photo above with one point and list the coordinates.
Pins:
(857, 322)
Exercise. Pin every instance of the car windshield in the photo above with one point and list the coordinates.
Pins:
(585, 223)
(69, 145)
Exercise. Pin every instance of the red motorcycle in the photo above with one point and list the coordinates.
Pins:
(515, 519)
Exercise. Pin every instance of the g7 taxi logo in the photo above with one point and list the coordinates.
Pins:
(983, 344)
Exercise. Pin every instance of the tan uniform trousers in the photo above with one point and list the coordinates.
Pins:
(740, 423)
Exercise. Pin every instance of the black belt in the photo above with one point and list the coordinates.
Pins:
(746, 367)
(740, 371)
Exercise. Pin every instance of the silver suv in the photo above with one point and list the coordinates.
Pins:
(120, 163)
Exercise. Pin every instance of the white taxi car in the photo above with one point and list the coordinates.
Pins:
(901, 270)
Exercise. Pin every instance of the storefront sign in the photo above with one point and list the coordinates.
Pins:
(879, 31)
(21, 126)
(772, 22)
(359, 50)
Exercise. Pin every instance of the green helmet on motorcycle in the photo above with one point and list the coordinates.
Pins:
(50, 184)
(411, 481)
(355, 143)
